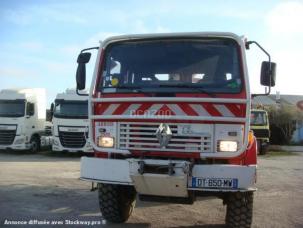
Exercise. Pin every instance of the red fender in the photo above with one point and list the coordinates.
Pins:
(249, 157)
(251, 153)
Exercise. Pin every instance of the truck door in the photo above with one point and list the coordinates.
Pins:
(30, 120)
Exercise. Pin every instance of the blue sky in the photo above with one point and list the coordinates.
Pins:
(40, 40)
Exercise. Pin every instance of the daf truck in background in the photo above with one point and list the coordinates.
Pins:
(169, 117)
(259, 124)
(70, 122)
(23, 119)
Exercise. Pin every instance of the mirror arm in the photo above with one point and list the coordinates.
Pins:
(256, 43)
(87, 49)
(261, 94)
(269, 60)
(81, 94)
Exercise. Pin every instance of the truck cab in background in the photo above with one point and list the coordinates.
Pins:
(23, 119)
(169, 118)
(70, 122)
(259, 124)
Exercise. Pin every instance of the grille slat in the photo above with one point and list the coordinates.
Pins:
(155, 139)
(72, 139)
(169, 145)
(7, 137)
(142, 136)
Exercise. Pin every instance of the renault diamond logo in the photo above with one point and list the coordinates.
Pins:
(163, 134)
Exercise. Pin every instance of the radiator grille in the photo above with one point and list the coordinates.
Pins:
(7, 137)
(142, 136)
(72, 139)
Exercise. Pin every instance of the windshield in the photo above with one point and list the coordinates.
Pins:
(12, 108)
(258, 118)
(71, 109)
(210, 66)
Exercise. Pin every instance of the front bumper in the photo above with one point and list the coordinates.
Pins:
(177, 182)
(18, 144)
(56, 146)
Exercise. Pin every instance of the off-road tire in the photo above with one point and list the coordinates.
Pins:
(116, 202)
(35, 144)
(239, 211)
(259, 147)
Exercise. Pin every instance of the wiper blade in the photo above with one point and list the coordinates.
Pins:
(199, 89)
(127, 87)
(137, 89)
(11, 115)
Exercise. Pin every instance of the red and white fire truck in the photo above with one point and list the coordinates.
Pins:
(170, 121)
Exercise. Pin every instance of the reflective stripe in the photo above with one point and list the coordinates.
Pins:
(203, 109)
(224, 110)
(111, 109)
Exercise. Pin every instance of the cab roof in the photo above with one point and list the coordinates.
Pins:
(173, 35)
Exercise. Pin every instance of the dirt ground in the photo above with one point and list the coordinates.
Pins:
(44, 188)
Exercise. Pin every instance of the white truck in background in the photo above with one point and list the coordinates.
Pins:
(70, 122)
(23, 119)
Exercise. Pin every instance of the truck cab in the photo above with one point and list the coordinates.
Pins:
(259, 124)
(70, 122)
(169, 121)
(22, 119)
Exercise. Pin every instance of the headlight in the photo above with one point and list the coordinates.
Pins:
(227, 146)
(20, 141)
(106, 141)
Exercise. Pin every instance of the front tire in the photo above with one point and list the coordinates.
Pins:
(259, 147)
(116, 202)
(239, 210)
(35, 144)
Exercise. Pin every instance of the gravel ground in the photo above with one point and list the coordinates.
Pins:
(41, 188)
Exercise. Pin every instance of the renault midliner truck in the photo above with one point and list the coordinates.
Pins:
(169, 119)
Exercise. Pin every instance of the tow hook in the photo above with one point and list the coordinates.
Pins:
(171, 170)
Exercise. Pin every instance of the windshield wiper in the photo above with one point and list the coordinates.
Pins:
(70, 116)
(11, 115)
(199, 89)
(127, 87)
(133, 88)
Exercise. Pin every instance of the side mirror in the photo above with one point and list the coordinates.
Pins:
(52, 108)
(83, 58)
(51, 112)
(268, 74)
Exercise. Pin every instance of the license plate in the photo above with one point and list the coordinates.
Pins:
(198, 182)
